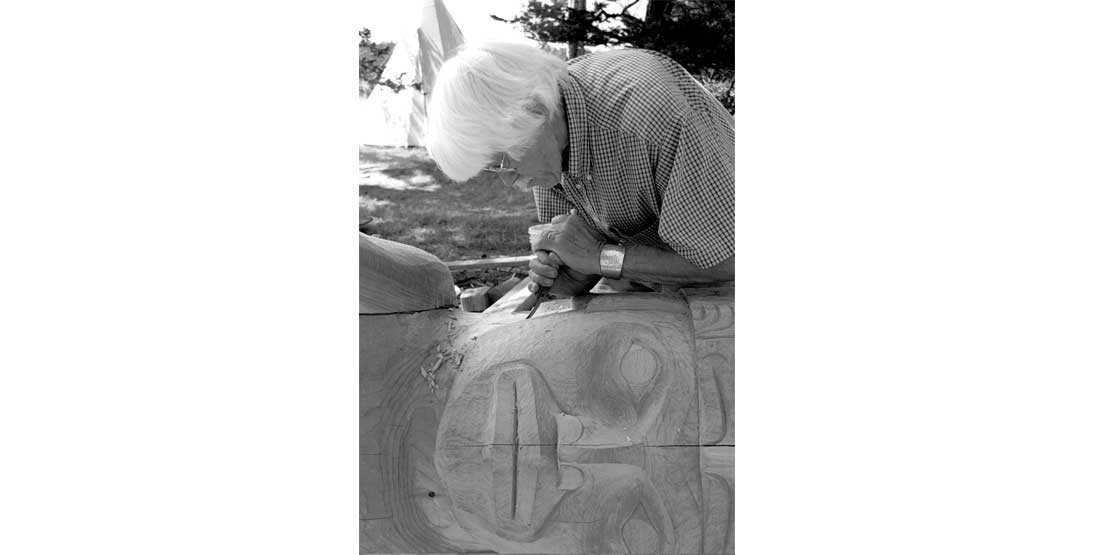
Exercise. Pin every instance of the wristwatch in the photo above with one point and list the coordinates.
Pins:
(611, 260)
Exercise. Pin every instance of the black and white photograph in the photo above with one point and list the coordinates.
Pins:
(546, 272)
(556, 349)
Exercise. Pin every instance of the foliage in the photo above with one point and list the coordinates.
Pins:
(372, 60)
(405, 197)
(696, 33)
(373, 57)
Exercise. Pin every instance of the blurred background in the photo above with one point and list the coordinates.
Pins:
(404, 197)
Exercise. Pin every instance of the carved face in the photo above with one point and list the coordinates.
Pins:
(572, 433)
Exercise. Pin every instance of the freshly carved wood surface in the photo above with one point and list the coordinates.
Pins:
(602, 424)
(713, 319)
(499, 290)
(398, 278)
(606, 427)
(399, 410)
(512, 299)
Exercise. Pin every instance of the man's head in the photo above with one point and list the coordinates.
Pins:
(495, 102)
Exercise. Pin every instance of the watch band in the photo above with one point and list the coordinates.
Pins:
(611, 260)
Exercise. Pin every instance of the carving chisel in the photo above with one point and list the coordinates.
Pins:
(544, 292)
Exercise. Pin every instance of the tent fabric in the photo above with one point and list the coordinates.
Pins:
(391, 118)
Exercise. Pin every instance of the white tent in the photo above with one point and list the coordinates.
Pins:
(391, 118)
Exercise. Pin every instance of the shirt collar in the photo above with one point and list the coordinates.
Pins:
(576, 121)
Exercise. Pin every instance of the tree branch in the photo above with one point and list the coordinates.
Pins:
(628, 6)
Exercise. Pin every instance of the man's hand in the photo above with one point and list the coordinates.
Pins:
(575, 244)
(547, 272)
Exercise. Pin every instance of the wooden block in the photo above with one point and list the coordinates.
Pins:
(513, 298)
(499, 290)
(475, 300)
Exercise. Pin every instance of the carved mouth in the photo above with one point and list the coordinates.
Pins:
(522, 458)
(510, 434)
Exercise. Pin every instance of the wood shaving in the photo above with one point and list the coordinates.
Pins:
(429, 375)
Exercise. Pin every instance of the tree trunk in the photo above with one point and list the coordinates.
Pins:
(656, 10)
(576, 48)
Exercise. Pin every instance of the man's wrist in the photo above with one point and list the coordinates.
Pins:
(611, 260)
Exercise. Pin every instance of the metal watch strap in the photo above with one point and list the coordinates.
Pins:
(611, 260)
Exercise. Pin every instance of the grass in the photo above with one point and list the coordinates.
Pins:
(409, 200)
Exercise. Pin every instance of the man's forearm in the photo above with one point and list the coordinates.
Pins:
(645, 263)
(577, 246)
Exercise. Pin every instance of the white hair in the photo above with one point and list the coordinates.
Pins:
(490, 98)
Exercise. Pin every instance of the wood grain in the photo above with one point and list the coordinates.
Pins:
(713, 321)
(604, 428)
(399, 278)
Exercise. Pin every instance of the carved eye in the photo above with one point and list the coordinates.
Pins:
(639, 367)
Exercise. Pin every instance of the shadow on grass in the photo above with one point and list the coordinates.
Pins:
(414, 203)
(399, 168)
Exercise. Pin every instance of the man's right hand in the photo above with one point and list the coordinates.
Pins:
(547, 272)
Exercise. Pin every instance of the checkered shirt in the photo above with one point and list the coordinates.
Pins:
(650, 156)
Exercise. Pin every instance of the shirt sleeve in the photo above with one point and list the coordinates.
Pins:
(550, 203)
(697, 207)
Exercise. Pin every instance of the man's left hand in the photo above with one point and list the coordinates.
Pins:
(575, 243)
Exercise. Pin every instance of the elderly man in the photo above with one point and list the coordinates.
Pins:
(630, 159)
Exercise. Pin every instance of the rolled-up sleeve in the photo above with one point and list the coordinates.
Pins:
(697, 206)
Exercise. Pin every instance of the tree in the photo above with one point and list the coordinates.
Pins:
(373, 57)
(576, 47)
(372, 60)
(696, 33)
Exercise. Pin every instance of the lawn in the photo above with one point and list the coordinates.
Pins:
(407, 199)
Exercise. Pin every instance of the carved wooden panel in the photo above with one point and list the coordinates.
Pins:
(603, 426)
(713, 318)
(712, 313)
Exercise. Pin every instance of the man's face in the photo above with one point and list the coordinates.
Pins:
(561, 435)
(540, 166)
